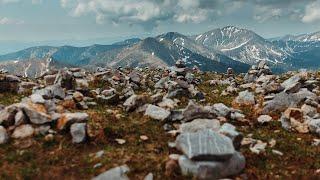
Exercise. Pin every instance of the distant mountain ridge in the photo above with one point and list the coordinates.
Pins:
(215, 50)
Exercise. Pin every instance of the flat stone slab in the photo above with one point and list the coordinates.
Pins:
(117, 173)
(199, 125)
(212, 169)
(205, 145)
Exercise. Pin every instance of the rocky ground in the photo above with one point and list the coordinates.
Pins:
(177, 123)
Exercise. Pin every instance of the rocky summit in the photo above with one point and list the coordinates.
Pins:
(160, 123)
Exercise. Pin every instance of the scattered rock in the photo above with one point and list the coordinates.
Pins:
(245, 98)
(157, 113)
(3, 135)
(23, 131)
(78, 132)
(119, 173)
(205, 145)
(212, 169)
(264, 119)
(199, 125)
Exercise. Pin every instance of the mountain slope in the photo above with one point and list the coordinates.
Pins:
(311, 37)
(161, 52)
(241, 44)
(202, 50)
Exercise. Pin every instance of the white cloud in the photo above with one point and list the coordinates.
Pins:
(312, 12)
(36, 1)
(6, 20)
(146, 12)
(8, 1)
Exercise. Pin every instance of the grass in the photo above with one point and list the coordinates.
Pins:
(60, 159)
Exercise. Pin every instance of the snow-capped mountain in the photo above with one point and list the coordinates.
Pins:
(214, 50)
(241, 44)
(312, 37)
(161, 52)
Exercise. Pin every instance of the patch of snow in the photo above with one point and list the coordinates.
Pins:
(236, 47)
(198, 37)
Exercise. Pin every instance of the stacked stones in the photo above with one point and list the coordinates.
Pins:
(256, 71)
(9, 83)
(44, 113)
(209, 150)
(296, 98)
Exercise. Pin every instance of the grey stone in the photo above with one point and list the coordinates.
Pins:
(222, 110)
(37, 99)
(78, 132)
(134, 77)
(264, 119)
(3, 135)
(208, 170)
(194, 111)
(161, 84)
(43, 130)
(205, 145)
(57, 91)
(157, 113)
(135, 101)
(245, 98)
(292, 84)
(314, 126)
(34, 113)
(230, 131)
(67, 119)
(19, 118)
(23, 131)
(7, 115)
(117, 173)
(148, 177)
(284, 100)
(199, 124)
(309, 110)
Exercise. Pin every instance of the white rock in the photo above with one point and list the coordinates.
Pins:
(117, 173)
(157, 113)
(264, 119)
(3, 135)
(78, 132)
(23, 131)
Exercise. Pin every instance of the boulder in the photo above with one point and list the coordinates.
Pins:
(194, 111)
(264, 119)
(37, 99)
(205, 145)
(314, 126)
(3, 135)
(67, 119)
(283, 100)
(78, 132)
(117, 173)
(199, 125)
(206, 170)
(245, 98)
(156, 112)
(292, 85)
(230, 131)
(309, 110)
(36, 113)
(135, 101)
(23, 131)
(222, 110)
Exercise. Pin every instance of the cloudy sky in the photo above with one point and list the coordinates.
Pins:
(112, 20)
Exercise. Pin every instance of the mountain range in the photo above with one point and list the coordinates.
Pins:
(214, 50)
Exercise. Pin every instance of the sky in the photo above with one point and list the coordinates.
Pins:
(107, 21)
